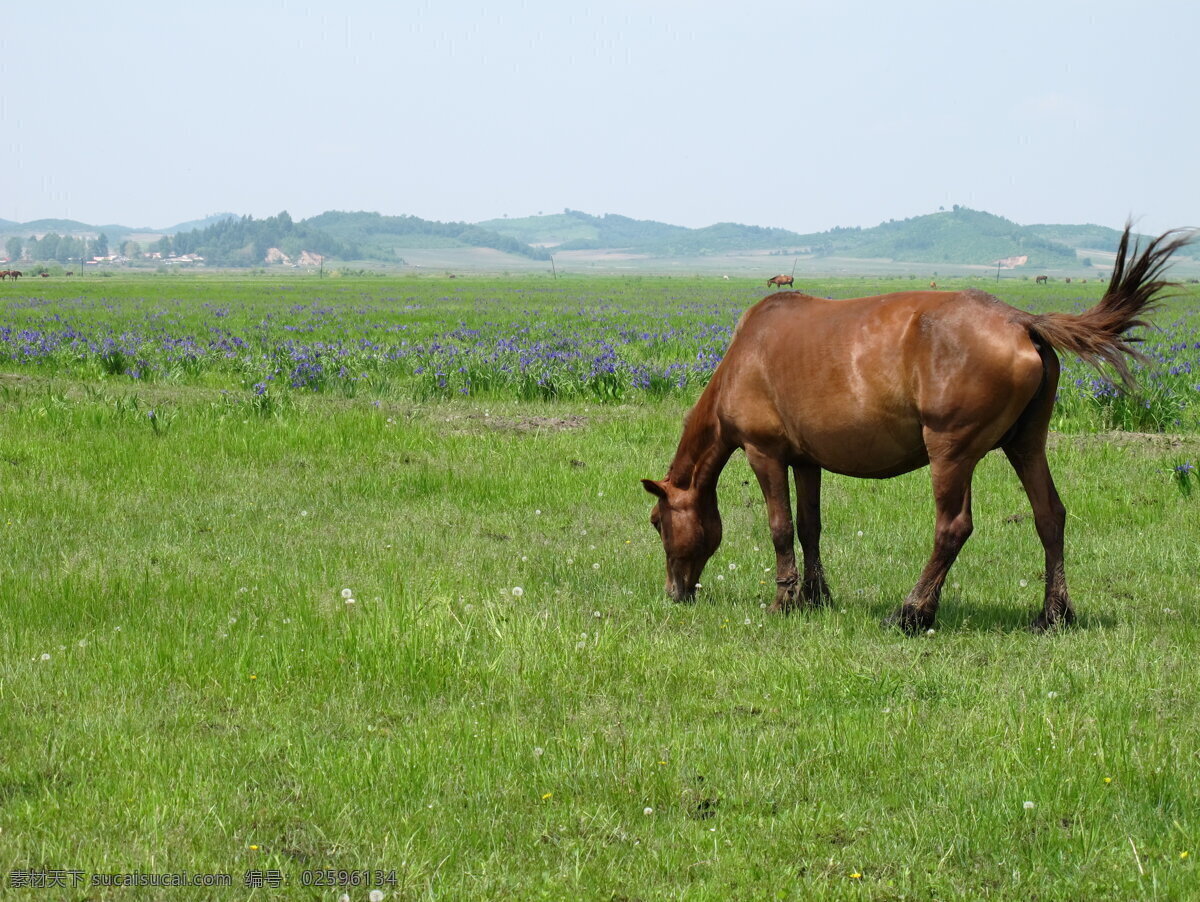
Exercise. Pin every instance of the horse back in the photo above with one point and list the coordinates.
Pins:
(856, 385)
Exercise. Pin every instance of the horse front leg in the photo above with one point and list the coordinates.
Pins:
(953, 525)
(773, 480)
(808, 527)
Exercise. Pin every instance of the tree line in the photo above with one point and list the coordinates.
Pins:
(246, 241)
(64, 248)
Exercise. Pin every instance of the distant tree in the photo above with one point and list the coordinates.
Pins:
(13, 247)
(71, 248)
(100, 246)
(131, 249)
(47, 247)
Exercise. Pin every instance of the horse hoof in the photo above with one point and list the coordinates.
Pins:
(1044, 624)
(910, 621)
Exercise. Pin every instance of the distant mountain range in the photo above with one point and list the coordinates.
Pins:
(959, 236)
(74, 228)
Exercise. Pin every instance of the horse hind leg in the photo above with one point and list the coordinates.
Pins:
(1026, 451)
(953, 526)
(1049, 517)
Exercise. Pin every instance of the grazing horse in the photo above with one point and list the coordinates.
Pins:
(780, 281)
(1041, 280)
(4, 273)
(878, 386)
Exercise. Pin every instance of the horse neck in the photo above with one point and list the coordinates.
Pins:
(702, 453)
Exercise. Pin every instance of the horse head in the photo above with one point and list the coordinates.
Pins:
(689, 524)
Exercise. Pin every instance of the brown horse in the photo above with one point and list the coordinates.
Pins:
(1041, 280)
(780, 281)
(878, 386)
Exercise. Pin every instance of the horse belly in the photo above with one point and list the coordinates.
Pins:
(863, 447)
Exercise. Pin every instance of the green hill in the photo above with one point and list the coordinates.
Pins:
(960, 236)
(573, 230)
(378, 236)
(1080, 237)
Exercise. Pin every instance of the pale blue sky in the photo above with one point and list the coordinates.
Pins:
(793, 114)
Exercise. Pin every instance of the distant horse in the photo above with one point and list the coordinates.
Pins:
(933, 285)
(15, 274)
(780, 281)
(4, 274)
(878, 386)
(1041, 280)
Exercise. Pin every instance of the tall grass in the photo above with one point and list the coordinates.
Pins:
(185, 686)
(505, 705)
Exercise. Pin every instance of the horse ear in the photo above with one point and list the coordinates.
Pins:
(655, 488)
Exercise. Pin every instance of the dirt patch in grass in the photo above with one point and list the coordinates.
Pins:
(526, 424)
(1149, 441)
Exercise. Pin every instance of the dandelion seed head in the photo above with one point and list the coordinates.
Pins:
(517, 591)
(347, 593)
(647, 811)
(1028, 806)
(45, 656)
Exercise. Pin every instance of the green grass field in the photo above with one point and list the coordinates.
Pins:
(370, 625)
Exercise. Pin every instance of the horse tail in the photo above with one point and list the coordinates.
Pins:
(1098, 336)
